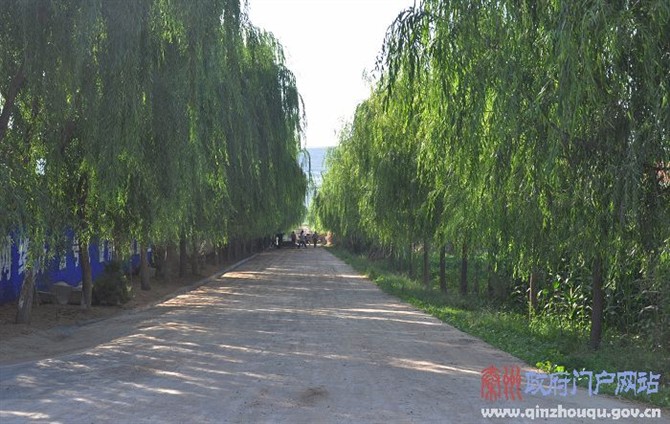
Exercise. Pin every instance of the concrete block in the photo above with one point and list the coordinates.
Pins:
(61, 291)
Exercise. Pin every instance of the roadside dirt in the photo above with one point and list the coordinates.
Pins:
(47, 334)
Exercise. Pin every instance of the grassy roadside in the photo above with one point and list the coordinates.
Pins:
(546, 343)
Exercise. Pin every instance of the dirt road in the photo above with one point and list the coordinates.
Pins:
(292, 336)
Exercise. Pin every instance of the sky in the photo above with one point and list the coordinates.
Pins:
(329, 45)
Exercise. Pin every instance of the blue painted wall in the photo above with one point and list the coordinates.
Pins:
(64, 267)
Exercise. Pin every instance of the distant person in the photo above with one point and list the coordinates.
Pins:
(315, 238)
(303, 242)
(294, 239)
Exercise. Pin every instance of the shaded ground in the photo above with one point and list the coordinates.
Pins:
(51, 325)
(292, 336)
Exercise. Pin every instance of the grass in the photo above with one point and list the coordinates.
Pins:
(545, 342)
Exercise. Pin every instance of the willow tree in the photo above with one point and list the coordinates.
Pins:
(614, 134)
(568, 111)
(44, 116)
(338, 201)
(440, 53)
(86, 109)
(24, 211)
(400, 193)
(265, 138)
(116, 121)
(542, 138)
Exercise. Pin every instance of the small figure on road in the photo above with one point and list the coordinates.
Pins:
(294, 239)
(315, 238)
(303, 242)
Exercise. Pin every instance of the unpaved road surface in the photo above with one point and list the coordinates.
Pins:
(292, 336)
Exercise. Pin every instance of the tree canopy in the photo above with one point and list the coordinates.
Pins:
(151, 120)
(536, 134)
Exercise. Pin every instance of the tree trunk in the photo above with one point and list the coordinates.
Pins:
(489, 280)
(170, 261)
(410, 263)
(217, 255)
(25, 308)
(160, 261)
(532, 291)
(182, 256)
(194, 257)
(238, 249)
(14, 89)
(145, 283)
(598, 303)
(464, 269)
(398, 259)
(475, 278)
(86, 276)
(443, 269)
(426, 263)
(84, 259)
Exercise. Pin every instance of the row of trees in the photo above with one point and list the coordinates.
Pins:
(153, 120)
(535, 135)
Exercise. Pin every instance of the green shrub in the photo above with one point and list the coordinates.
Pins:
(112, 287)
